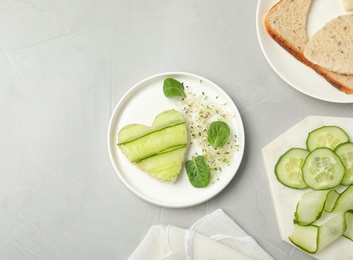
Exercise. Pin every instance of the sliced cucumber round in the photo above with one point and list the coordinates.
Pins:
(323, 169)
(326, 136)
(288, 168)
(345, 152)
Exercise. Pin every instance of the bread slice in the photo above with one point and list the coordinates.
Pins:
(286, 24)
(348, 5)
(331, 47)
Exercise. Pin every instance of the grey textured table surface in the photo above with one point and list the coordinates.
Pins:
(64, 67)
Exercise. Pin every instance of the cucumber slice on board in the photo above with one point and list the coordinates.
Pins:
(326, 136)
(310, 207)
(345, 152)
(349, 221)
(288, 168)
(305, 237)
(323, 169)
(345, 200)
(331, 230)
(314, 238)
(332, 197)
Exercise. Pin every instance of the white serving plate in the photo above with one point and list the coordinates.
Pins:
(140, 105)
(285, 199)
(292, 71)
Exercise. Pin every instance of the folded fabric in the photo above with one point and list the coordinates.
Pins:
(216, 236)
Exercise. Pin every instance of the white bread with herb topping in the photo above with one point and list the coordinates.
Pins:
(286, 24)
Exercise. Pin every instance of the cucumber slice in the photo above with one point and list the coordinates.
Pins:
(288, 168)
(349, 222)
(331, 230)
(345, 152)
(165, 119)
(326, 136)
(305, 237)
(155, 143)
(310, 207)
(314, 238)
(332, 197)
(165, 166)
(345, 200)
(322, 169)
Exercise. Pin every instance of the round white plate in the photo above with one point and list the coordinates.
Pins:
(140, 105)
(292, 71)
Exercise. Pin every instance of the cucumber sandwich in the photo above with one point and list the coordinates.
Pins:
(158, 150)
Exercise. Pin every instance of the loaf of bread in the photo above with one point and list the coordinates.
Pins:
(286, 24)
(331, 47)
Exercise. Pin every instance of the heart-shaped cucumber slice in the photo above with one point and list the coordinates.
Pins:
(158, 150)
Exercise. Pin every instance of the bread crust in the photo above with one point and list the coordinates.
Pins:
(329, 76)
(335, 79)
(285, 44)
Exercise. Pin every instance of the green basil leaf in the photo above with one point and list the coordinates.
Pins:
(218, 134)
(198, 172)
(173, 88)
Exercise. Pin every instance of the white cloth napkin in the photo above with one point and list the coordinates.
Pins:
(215, 236)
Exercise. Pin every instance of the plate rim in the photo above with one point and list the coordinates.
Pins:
(111, 133)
